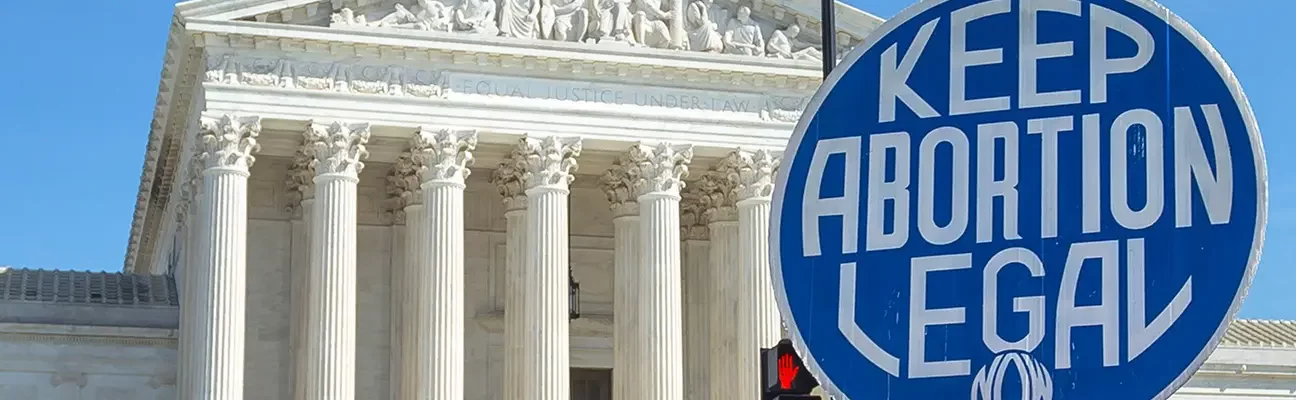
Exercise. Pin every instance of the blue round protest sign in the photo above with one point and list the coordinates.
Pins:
(1019, 199)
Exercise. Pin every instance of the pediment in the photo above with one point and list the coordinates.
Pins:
(704, 26)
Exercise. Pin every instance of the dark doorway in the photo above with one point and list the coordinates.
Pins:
(591, 384)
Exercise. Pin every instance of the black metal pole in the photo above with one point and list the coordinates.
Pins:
(828, 24)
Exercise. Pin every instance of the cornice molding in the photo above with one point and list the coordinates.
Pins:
(440, 47)
(89, 334)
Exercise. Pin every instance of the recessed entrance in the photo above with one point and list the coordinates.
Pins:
(591, 384)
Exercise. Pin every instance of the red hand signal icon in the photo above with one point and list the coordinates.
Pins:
(787, 371)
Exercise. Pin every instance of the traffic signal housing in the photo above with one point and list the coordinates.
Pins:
(784, 375)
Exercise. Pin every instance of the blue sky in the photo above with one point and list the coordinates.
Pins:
(81, 84)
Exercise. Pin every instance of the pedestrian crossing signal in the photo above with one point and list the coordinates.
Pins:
(783, 375)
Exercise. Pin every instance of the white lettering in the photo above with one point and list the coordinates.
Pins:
(894, 80)
(961, 58)
(1048, 129)
(1191, 166)
(1033, 306)
(927, 226)
(920, 317)
(988, 187)
(1151, 149)
(1141, 333)
(1105, 314)
(879, 191)
(1032, 51)
(851, 330)
(846, 206)
(1091, 186)
(1102, 19)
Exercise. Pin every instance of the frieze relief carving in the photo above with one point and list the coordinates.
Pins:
(394, 80)
(693, 25)
(347, 77)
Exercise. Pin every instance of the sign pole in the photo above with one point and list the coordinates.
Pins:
(828, 24)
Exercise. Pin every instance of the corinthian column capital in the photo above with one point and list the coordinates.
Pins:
(228, 141)
(444, 155)
(403, 187)
(751, 173)
(618, 186)
(716, 196)
(301, 179)
(338, 148)
(693, 225)
(509, 178)
(549, 162)
(659, 169)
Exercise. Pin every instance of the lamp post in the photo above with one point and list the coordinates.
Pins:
(573, 295)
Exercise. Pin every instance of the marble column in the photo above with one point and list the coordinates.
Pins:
(720, 217)
(659, 171)
(301, 187)
(549, 165)
(753, 181)
(338, 150)
(187, 274)
(697, 293)
(617, 185)
(221, 291)
(508, 177)
(405, 186)
(751, 174)
(436, 305)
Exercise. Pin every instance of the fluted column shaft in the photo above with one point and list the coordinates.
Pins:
(411, 281)
(331, 331)
(301, 190)
(618, 186)
(697, 326)
(625, 303)
(752, 175)
(753, 233)
(189, 278)
(724, 310)
(662, 347)
(224, 299)
(508, 178)
(548, 165)
(436, 306)
(221, 285)
(441, 294)
(545, 289)
(660, 171)
(514, 301)
(298, 291)
(747, 321)
(331, 342)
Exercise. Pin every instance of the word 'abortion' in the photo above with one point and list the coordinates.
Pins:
(1190, 162)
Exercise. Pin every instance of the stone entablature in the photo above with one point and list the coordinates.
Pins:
(413, 79)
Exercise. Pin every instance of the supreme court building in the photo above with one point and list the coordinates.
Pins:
(396, 199)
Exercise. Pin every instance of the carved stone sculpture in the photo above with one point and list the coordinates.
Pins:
(610, 21)
(563, 22)
(346, 17)
(519, 18)
(476, 16)
(743, 36)
(429, 15)
(658, 27)
(703, 32)
(784, 44)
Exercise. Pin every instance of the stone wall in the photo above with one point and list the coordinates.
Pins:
(59, 362)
